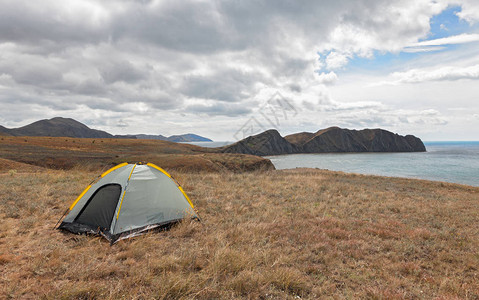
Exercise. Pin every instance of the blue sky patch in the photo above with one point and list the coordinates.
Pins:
(445, 24)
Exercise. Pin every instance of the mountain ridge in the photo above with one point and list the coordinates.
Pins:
(58, 127)
(332, 139)
(178, 138)
(67, 127)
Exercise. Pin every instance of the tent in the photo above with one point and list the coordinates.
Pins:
(127, 200)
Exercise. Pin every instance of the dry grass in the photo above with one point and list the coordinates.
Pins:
(12, 167)
(278, 234)
(93, 154)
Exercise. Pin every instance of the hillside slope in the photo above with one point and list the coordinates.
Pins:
(67, 153)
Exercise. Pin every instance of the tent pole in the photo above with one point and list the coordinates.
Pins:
(61, 218)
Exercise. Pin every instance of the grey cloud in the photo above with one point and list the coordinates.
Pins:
(218, 26)
(108, 104)
(122, 123)
(219, 109)
(165, 102)
(11, 100)
(187, 27)
(122, 71)
(192, 27)
(31, 70)
(284, 66)
(90, 87)
(33, 22)
(225, 86)
(60, 104)
(295, 87)
(272, 21)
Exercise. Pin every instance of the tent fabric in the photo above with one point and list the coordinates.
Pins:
(128, 199)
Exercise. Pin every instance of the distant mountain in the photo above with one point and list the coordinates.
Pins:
(124, 136)
(333, 139)
(151, 137)
(58, 127)
(3, 130)
(189, 137)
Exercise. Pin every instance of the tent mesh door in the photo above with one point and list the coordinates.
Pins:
(100, 208)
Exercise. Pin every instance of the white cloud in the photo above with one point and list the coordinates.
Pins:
(437, 74)
(422, 49)
(450, 40)
(384, 26)
(469, 11)
(434, 45)
(357, 105)
(404, 120)
(327, 78)
(336, 60)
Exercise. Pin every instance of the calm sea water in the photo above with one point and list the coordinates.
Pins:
(456, 162)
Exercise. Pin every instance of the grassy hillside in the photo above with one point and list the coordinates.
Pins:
(277, 234)
(67, 153)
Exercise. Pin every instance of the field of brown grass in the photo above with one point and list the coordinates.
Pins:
(276, 234)
(94, 154)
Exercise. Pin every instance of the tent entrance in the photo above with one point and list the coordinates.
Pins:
(99, 210)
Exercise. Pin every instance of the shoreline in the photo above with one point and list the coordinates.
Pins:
(376, 176)
(33, 170)
(381, 176)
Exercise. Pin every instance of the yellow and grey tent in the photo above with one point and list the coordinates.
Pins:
(127, 200)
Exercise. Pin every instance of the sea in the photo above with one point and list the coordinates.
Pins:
(456, 162)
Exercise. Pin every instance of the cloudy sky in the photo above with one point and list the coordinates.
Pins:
(223, 69)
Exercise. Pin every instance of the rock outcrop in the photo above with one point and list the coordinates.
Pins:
(333, 139)
(267, 143)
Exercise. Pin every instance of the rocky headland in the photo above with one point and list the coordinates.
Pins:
(333, 139)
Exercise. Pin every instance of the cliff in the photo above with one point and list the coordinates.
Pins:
(333, 139)
(267, 143)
